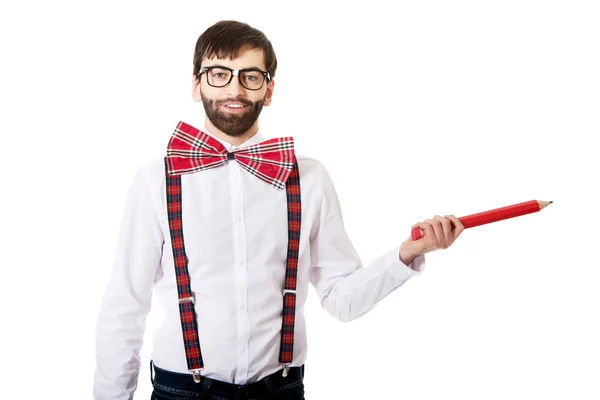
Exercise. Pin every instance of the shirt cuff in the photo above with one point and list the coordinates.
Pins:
(416, 267)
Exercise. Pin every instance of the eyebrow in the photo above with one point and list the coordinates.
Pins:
(241, 69)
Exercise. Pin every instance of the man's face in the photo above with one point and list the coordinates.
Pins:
(233, 109)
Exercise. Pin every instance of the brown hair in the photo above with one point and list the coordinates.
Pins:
(225, 39)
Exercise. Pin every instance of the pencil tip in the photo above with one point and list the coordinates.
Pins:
(551, 202)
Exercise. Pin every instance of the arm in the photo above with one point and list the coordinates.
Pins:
(126, 303)
(346, 289)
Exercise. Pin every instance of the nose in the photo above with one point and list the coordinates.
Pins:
(234, 88)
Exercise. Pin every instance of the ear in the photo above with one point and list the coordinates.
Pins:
(269, 95)
(196, 89)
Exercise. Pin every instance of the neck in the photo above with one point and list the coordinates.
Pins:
(233, 140)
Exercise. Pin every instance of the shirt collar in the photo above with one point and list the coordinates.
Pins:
(257, 138)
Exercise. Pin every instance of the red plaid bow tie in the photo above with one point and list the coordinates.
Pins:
(191, 150)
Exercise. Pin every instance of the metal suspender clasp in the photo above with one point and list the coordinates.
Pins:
(196, 374)
(286, 370)
(186, 300)
(286, 291)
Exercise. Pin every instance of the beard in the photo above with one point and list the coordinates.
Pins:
(232, 124)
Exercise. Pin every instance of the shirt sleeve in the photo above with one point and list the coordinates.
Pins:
(346, 289)
(127, 300)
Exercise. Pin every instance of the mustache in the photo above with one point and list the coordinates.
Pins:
(241, 100)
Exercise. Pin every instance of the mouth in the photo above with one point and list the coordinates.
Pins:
(234, 107)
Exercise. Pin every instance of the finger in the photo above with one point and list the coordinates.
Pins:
(426, 229)
(437, 228)
(420, 227)
(446, 227)
(458, 226)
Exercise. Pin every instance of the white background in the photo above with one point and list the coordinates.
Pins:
(450, 106)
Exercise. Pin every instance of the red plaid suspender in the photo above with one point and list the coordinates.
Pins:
(294, 206)
(187, 313)
(186, 300)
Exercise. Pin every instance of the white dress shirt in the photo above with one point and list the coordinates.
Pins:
(235, 234)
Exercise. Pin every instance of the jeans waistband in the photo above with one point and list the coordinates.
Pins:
(183, 384)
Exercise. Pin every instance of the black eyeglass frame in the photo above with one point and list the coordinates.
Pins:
(237, 72)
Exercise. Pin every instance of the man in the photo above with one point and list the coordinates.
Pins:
(231, 243)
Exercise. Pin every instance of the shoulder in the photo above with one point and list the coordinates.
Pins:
(153, 166)
(150, 173)
(314, 177)
(310, 168)
(309, 165)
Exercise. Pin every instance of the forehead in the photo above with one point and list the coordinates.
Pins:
(246, 58)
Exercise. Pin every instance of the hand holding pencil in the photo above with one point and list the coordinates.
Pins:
(440, 232)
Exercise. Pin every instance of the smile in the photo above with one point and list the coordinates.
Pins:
(234, 107)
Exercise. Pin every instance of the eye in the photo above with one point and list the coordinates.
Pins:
(219, 74)
(252, 76)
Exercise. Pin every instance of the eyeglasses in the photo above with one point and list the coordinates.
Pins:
(251, 78)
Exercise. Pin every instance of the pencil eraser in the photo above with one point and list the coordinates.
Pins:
(416, 234)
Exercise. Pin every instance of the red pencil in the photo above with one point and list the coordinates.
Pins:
(494, 215)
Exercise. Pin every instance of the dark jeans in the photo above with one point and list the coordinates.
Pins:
(175, 386)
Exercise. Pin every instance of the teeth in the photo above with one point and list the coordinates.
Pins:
(234, 106)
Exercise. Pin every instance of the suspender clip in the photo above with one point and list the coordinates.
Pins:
(286, 370)
(186, 300)
(196, 374)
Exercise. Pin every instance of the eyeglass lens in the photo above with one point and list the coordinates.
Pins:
(220, 77)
